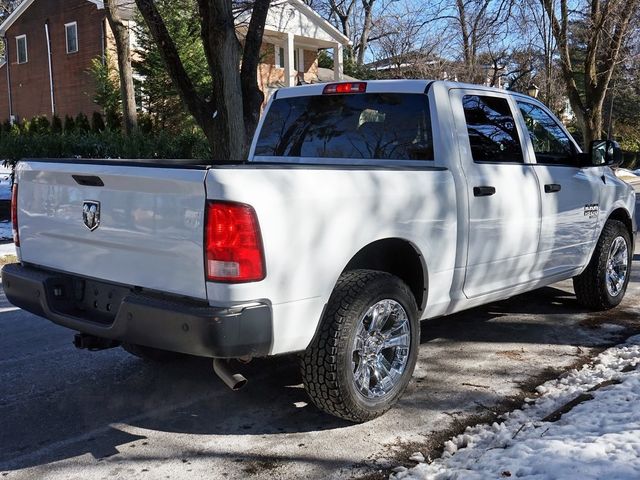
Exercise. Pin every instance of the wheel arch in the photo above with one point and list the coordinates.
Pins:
(623, 216)
(398, 257)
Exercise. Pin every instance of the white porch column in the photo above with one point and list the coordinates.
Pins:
(289, 52)
(337, 62)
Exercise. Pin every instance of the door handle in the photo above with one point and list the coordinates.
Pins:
(552, 188)
(484, 191)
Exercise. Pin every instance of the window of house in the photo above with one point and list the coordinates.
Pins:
(71, 33)
(279, 56)
(493, 135)
(21, 48)
(550, 143)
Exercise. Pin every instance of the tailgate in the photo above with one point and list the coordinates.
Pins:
(150, 227)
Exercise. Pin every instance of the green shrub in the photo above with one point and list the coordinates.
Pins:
(82, 123)
(39, 124)
(106, 144)
(97, 123)
(145, 124)
(114, 120)
(69, 124)
(56, 124)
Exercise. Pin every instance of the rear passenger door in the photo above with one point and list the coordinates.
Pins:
(502, 190)
(570, 194)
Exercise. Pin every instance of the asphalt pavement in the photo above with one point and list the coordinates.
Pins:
(70, 414)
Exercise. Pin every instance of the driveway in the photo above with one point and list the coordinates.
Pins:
(74, 414)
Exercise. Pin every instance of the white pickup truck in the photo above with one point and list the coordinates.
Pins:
(364, 208)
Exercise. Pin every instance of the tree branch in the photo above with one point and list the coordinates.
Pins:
(169, 53)
(251, 93)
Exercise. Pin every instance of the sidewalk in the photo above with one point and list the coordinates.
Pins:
(7, 249)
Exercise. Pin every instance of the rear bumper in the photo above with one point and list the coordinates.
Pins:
(124, 314)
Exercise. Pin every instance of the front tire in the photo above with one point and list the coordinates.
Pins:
(604, 282)
(364, 354)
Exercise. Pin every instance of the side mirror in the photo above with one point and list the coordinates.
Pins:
(605, 153)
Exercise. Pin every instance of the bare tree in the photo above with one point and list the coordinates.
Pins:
(408, 46)
(480, 23)
(120, 29)
(357, 20)
(608, 23)
(7, 7)
(229, 115)
(535, 26)
(365, 34)
(343, 10)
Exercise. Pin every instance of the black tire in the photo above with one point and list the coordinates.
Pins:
(591, 285)
(326, 365)
(151, 354)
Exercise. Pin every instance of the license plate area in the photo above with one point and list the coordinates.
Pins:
(85, 299)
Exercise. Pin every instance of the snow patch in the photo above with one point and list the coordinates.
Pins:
(599, 438)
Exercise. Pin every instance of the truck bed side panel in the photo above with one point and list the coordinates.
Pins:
(315, 219)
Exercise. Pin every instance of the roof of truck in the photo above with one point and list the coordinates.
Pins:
(385, 86)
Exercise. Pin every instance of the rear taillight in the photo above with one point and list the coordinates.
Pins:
(233, 243)
(14, 214)
(348, 87)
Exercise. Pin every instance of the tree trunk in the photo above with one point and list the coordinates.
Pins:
(592, 129)
(366, 30)
(121, 35)
(222, 49)
(607, 31)
(252, 96)
(228, 115)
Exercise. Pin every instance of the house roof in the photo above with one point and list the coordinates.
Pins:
(22, 7)
(294, 16)
(322, 27)
(312, 14)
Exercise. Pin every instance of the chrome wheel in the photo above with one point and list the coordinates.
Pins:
(617, 266)
(380, 349)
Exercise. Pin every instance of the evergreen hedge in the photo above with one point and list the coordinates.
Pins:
(43, 139)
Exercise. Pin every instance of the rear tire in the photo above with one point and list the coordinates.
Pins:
(363, 356)
(604, 282)
(151, 354)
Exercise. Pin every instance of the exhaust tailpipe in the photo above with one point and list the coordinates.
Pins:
(235, 381)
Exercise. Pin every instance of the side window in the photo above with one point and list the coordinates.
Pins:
(550, 143)
(493, 135)
(21, 49)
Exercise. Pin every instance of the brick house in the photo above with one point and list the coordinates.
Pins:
(50, 44)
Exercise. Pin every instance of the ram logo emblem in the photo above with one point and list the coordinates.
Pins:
(91, 214)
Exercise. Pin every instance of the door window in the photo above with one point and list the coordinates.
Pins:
(550, 143)
(493, 135)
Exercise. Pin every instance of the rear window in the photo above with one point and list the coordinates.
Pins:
(389, 126)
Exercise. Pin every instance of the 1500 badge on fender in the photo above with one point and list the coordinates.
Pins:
(591, 210)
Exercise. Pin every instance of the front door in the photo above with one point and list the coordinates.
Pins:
(502, 190)
(570, 194)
